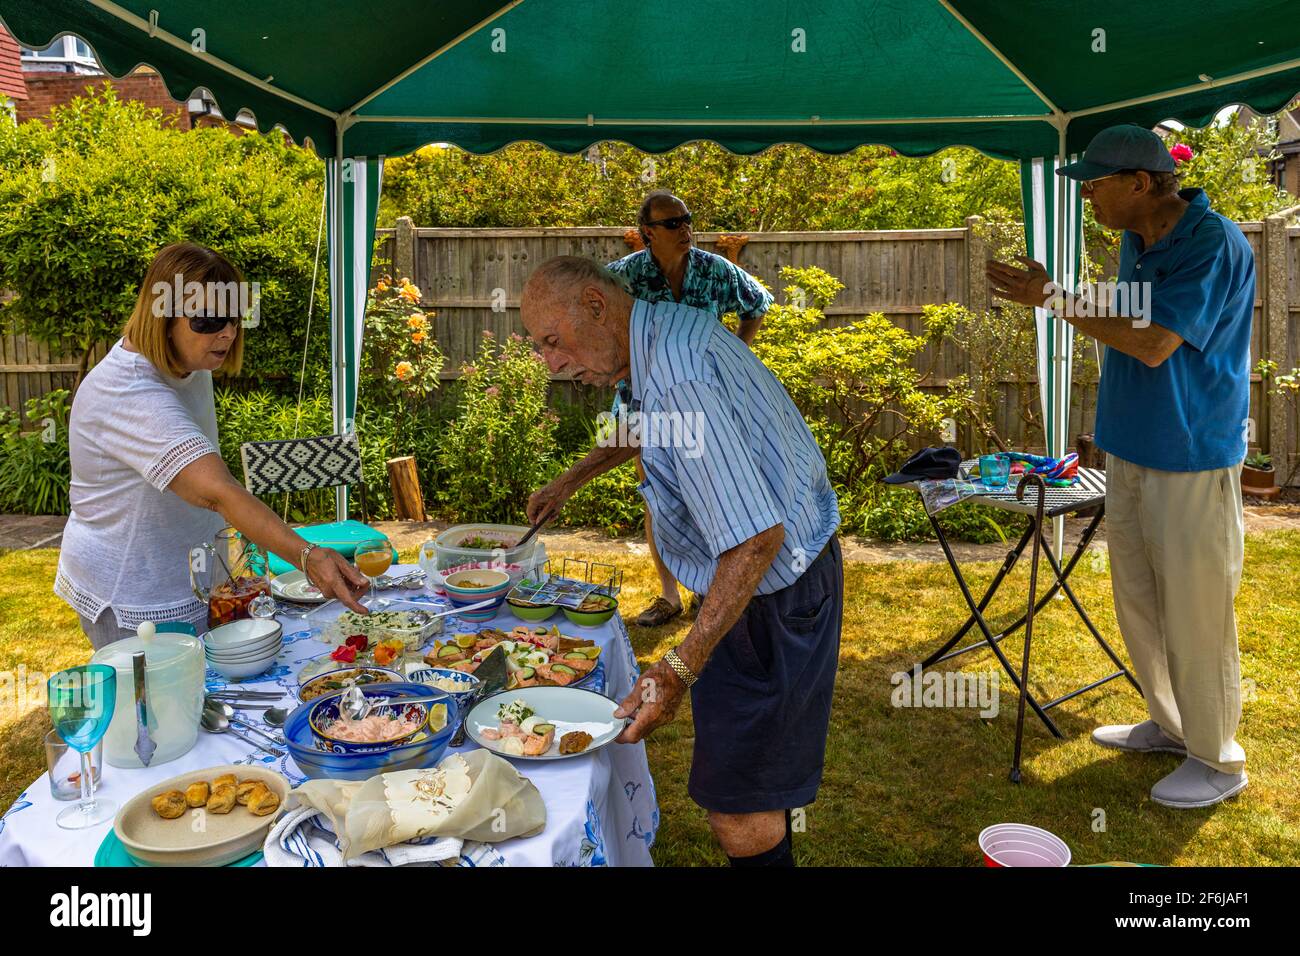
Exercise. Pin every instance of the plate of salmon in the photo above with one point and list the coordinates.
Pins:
(535, 656)
(544, 723)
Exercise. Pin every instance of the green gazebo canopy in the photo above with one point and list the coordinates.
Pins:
(919, 75)
(1030, 80)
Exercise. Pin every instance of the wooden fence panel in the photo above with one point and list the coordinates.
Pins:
(473, 278)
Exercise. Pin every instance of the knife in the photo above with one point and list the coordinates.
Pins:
(491, 674)
(144, 745)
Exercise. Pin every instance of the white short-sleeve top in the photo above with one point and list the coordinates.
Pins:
(127, 542)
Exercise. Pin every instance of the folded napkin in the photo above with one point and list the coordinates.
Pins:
(427, 816)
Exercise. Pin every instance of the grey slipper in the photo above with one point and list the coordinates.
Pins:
(1195, 784)
(1146, 737)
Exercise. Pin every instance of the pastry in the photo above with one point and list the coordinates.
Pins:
(222, 799)
(196, 794)
(169, 805)
(262, 801)
(225, 778)
(245, 789)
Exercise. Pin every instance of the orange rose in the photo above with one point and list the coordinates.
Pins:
(382, 286)
(403, 371)
(418, 337)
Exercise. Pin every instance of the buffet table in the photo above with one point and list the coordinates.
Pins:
(600, 808)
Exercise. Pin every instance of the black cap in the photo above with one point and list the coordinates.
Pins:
(939, 461)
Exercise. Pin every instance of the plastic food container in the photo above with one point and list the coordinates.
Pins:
(173, 671)
(333, 630)
(497, 548)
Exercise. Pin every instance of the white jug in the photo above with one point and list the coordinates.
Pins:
(174, 669)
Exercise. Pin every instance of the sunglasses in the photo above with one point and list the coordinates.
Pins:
(1090, 184)
(209, 324)
(674, 222)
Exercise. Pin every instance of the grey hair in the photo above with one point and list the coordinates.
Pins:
(570, 272)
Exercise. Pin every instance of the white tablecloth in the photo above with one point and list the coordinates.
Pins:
(600, 808)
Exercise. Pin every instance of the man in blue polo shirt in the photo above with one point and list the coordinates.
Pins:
(1172, 411)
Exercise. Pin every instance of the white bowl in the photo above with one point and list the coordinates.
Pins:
(270, 654)
(243, 671)
(246, 650)
(250, 648)
(241, 635)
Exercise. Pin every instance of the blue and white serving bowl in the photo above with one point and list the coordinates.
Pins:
(326, 713)
(425, 749)
(466, 684)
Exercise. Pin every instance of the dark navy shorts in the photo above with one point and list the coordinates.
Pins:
(762, 705)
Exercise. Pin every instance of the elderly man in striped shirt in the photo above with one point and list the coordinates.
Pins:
(744, 514)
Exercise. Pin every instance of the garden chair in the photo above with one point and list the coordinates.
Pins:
(310, 464)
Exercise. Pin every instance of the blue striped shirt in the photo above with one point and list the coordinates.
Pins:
(726, 453)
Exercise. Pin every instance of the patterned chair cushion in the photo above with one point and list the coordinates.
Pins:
(301, 464)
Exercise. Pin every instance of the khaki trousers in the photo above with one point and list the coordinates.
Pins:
(1176, 541)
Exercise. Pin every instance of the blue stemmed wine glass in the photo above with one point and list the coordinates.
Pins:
(81, 705)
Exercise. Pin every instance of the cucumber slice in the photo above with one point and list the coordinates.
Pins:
(563, 669)
(540, 729)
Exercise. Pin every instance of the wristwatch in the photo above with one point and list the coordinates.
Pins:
(680, 669)
(303, 555)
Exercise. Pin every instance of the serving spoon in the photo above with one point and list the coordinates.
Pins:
(215, 723)
(228, 712)
(357, 706)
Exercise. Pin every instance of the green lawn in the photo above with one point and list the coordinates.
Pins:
(910, 786)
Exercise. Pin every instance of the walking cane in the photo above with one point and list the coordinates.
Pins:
(1025, 480)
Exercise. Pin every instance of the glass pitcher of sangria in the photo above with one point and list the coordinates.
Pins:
(230, 574)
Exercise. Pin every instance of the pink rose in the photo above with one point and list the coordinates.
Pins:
(1181, 152)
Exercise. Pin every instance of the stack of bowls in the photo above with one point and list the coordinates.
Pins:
(425, 750)
(243, 649)
(469, 587)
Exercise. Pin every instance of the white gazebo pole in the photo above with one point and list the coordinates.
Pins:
(338, 308)
(1060, 383)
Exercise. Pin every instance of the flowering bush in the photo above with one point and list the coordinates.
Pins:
(402, 360)
(498, 449)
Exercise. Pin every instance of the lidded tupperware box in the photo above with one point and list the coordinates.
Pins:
(481, 546)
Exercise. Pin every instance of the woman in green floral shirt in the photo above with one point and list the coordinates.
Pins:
(672, 269)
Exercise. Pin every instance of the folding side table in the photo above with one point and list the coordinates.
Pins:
(1039, 502)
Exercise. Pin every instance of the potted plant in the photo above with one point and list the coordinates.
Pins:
(1257, 476)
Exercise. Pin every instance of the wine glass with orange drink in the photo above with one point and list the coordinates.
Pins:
(373, 558)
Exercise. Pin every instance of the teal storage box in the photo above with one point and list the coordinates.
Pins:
(340, 536)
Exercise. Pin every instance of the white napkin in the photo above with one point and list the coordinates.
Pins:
(302, 837)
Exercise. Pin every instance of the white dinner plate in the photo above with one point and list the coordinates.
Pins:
(293, 586)
(569, 708)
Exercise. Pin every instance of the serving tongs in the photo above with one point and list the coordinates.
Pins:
(550, 515)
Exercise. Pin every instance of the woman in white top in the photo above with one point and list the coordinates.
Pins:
(148, 483)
